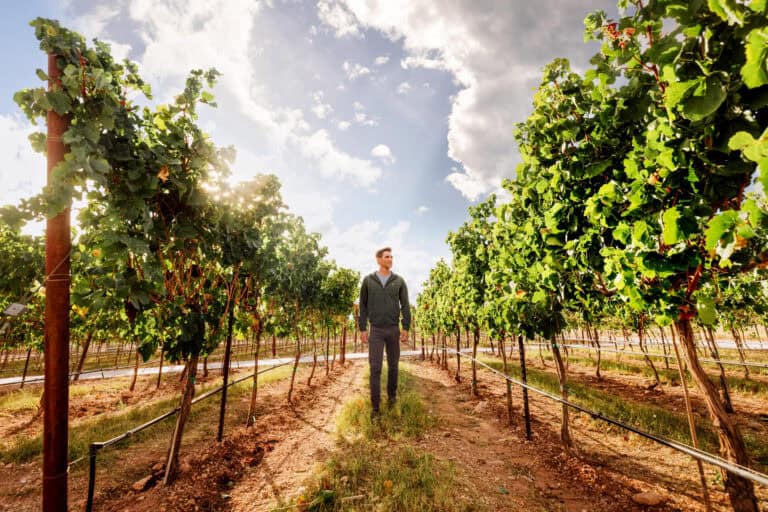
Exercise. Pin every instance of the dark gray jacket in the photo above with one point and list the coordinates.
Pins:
(383, 305)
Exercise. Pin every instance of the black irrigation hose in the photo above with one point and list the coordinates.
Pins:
(662, 356)
(93, 448)
(744, 472)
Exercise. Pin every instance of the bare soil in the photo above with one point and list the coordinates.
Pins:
(118, 469)
(211, 474)
(622, 460)
(304, 436)
(102, 397)
(498, 468)
(751, 411)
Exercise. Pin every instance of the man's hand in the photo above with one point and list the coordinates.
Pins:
(364, 336)
(403, 336)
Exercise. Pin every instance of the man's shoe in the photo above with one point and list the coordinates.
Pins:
(375, 415)
(391, 403)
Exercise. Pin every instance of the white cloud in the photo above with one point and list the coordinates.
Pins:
(23, 172)
(380, 61)
(495, 55)
(403, 88)
(320, 109)
(343, 125)
(427, 60)
(362, 118)
(337, 16)
(355, 247)
(383, 152)
(355, 71)
(317, 215)
(179, 36)
(119, 51)
(95, 19)
(332, 162)
(471, 185)
(421, 210)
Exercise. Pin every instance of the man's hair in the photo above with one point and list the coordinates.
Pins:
(381, 252)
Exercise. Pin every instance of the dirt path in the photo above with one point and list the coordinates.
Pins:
(211, 472)
(304, 436)
(87, 399)
(751, 408)
(625, 463)
(497, 467)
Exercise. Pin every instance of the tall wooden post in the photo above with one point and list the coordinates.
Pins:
(56, 388)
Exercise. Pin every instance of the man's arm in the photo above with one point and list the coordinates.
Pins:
(363, 317)
(405, 307)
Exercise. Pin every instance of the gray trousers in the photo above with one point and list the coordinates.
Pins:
(378, 339)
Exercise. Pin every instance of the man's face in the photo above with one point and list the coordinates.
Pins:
(385, 260)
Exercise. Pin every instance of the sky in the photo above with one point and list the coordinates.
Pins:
(383, 119)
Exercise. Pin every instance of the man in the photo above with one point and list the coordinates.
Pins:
(383, 298)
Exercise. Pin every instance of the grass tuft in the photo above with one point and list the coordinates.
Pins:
(20, 400)
(374, 467)
(363, 475)
(408, 418)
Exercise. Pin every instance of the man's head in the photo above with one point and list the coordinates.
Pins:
(384, 257)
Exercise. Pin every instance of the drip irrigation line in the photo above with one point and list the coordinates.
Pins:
(703, 456)
(208, 394)
(152, 363)
(659, 345)
(93, 448)
(661, 356)
(41, 378)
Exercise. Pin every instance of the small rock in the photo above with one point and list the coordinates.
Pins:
(185, 467)
(650, 499)
(480, 407)
(143, 484)
(158, 467)
(447, 434)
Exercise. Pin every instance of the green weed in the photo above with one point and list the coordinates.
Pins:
(109, 425)
(373, 467)
(648, 417)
